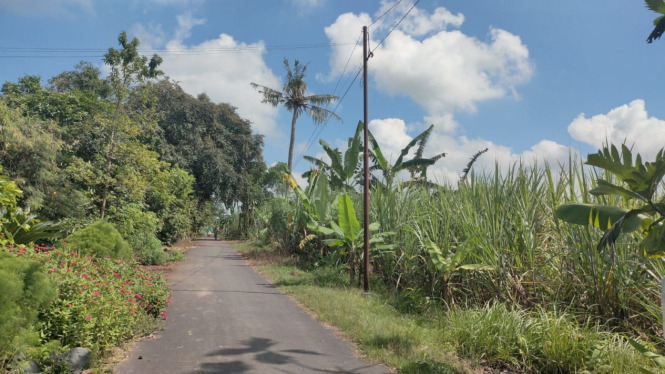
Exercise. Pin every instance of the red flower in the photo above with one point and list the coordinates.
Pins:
(88, 318)
(96, 294)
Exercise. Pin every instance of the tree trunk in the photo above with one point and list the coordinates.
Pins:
(106, 190)
(291, 144)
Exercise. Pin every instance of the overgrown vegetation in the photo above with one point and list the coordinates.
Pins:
(491, 247)
(99, 174)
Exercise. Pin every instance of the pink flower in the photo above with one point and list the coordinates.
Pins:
(96, 294)
(65, 243)
(88, 318)
(69, 305)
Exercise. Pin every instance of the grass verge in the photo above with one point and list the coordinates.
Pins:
(490, 339)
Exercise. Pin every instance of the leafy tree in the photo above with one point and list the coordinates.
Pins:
(294, 97)
(85, 78)
(657, 6)
(127, 69)
(31, 153)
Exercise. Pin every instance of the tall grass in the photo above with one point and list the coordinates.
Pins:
(508, 219)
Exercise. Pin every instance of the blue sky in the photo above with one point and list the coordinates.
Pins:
(528, 79)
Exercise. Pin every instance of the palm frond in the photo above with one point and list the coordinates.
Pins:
(270, 96)
(316, 161)
(320, 115)
(657, 6)
(423, 142)
(321, 99)
(439, 156)
(466, 170)
(658, 30)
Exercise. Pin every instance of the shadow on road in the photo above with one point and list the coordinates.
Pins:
(258, 350)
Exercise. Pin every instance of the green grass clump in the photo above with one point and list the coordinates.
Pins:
(99, 239)
(540, 342)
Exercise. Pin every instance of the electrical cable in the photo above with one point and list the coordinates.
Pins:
(384, 13)
(394, 27)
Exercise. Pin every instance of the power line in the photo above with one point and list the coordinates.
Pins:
(311, 137)
(384, 13)
(394, 27)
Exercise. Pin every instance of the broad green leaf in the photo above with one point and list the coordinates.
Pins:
(374, 226)
(654, 242)
(322, 197)
(607, 188)
(347, 218)
(351, 158)
(601, 216)
(337, 229)
(378, 155)
(655, 22)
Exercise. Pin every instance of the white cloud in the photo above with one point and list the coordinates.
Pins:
(417, 22)
(628, 123)
(391, 133)
(151, 36)
(444, 72)
(224, 76)
(185, 24)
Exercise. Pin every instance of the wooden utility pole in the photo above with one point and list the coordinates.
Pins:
(366, 162)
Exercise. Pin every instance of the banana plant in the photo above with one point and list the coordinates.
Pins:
(342, 171)
(348, 237)
(657, 6)
(448, 264)
(415, 165)
(640, 184)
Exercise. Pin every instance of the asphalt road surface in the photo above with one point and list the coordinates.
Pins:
(227, 318)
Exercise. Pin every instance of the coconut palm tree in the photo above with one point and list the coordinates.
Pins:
(293, 97)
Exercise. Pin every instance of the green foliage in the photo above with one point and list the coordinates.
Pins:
(101, 239)
(25, 290)
(642, 181)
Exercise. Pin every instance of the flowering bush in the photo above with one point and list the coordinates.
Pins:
(100, 301)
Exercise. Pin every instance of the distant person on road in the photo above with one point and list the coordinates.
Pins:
(208, 232)
(216, 232)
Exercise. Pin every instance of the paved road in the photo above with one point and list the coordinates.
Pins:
(227, 318)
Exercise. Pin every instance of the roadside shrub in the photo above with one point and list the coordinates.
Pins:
(100, 301)
(100, 239)
(24, 289)
(150, 252)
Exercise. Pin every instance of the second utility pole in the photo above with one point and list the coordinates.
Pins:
(366, 163)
